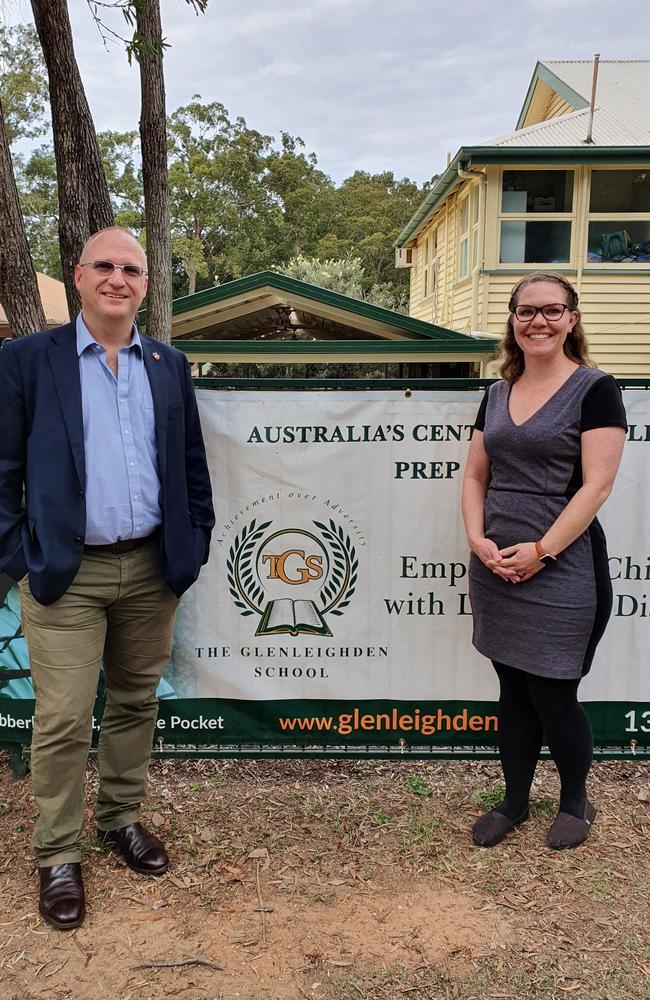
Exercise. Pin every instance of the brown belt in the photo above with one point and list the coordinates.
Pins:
(124, 545)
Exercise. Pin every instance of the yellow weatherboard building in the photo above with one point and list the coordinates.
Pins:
(569, 191)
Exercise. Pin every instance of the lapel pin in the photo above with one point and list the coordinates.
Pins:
(155, 356)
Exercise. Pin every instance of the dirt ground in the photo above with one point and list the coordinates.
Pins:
(341, 880)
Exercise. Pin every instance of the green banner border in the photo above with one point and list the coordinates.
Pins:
(367, 723)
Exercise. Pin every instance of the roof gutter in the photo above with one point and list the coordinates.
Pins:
(443, 186)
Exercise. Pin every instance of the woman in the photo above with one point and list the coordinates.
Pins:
(546, 447)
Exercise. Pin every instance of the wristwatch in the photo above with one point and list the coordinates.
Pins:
(544, 557)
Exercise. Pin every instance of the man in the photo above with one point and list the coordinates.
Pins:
(100, 428)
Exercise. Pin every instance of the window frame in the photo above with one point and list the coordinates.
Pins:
(469, 200)
(474, 222)
(429, 261)
(570, 217)
(464, 235)
(622, 217)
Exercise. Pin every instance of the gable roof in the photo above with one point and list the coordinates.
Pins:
(272, 312)
(620, 132)
(622, 92)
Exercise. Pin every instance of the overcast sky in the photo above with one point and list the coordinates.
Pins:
(368, 84)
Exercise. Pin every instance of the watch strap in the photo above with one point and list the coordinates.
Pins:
(544, 557)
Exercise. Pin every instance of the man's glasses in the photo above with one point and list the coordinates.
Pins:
(552, 312)
(106, 268)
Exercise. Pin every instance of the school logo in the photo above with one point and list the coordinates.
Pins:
(292, 578)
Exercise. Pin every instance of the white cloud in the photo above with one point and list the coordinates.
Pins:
(369, 84)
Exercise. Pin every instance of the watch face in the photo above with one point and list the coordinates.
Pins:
(547, 560)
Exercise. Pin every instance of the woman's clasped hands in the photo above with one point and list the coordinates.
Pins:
(516, 563)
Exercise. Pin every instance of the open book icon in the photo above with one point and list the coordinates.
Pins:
(292, 617)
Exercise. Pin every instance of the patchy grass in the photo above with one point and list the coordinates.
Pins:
(416, 784)
(341, 880)
(489, 797)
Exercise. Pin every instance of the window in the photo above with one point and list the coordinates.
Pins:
(536, 216)
(463, 238)
(474, 196)
(433, 262)
(468, 231)
(425, 271)
(429, 264)
(619, 217)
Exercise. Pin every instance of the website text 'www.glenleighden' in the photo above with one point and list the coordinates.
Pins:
(392, 721)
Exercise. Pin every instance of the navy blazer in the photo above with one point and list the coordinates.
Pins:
(42, 450)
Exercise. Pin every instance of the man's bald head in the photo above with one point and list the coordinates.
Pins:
(87, 248)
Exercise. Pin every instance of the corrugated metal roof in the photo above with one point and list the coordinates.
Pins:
(623, 85)
(622, 116)
(609, 129)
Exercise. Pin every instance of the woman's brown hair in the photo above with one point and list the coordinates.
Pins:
(575, 346)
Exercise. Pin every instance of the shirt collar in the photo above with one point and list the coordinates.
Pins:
(85, 338)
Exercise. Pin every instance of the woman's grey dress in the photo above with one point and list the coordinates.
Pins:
(548, 625)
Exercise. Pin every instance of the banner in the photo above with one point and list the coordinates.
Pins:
(334, 608)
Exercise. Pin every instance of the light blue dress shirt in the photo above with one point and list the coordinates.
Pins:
(122, 478)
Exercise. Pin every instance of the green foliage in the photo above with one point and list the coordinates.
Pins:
(136, 47)
(413, 783)
(420, 835)
(348, 277)
(240, 204)
(120, 152)
(305, 194)
(489, 797)
(243, 202)
(345, 276)
(37, 189)
(378, 815)
(371, 210)
(23, 82)
(362, 220)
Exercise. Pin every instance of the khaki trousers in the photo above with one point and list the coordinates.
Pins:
(118, 610)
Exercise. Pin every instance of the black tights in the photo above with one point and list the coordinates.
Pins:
(532, 708)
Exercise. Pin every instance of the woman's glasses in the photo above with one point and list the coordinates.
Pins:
(106, 267)
(552, 312)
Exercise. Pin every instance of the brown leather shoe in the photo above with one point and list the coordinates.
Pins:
(142, 852)
(61, 902)
(490, 828)
(570, 831)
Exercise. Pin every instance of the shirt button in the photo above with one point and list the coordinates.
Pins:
(78, 540)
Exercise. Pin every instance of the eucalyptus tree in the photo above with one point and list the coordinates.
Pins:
(18, 288)
(147, 45)
(23, 95)
(84, 200)
(23, 83)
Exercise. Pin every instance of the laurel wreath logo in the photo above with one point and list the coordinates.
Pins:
(239, 569)
(248, 594)
(337, 592)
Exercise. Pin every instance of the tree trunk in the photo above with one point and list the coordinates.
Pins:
(153, 139)
(18, 287)
(84, 201)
